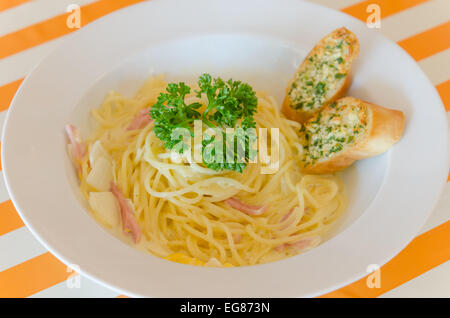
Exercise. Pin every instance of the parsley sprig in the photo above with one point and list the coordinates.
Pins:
(231, 104)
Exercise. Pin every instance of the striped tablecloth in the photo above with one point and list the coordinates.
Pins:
(29, 29)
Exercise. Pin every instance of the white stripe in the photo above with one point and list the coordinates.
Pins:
(34, 12)
(336, 4)
(437, 67)
(19, 65)
(434, 283)
(87, 288)
(4, 196)
(17, 247)
(416, 19)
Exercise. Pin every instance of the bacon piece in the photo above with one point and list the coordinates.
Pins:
(79, 147)
(298, 245)
(280, 248)
(142, 119)
(246, 208)
(129, 223)
(237, 238)
(302, 244)
(285, 217)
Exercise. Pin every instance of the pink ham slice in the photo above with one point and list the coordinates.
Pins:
(280, 248)
(79, 147)
(302, 244)
(142, 119)
(237, 238)
(246, 208)
(129, 223)
(298, 245)
(285, 217)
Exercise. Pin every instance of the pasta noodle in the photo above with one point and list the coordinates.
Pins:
(181, 208)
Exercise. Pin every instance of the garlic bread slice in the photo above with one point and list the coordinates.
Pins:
(346, 130)
(323, 76)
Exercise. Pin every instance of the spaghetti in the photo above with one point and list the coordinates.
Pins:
(189, 213)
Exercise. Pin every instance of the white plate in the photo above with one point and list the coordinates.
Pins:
(261, 42)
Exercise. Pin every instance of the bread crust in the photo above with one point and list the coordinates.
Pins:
(384, 129)
(302, 115)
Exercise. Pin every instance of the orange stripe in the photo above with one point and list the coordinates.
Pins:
(7, 93)
(427, 43)
(8, 4)
(444, 90)
(387, 7)
(9, 218)
(56, 27)
(424, 253)
(32, 276)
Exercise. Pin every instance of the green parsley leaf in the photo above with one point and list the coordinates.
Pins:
(231, 104)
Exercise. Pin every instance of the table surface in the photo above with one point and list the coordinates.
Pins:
(29, 29)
